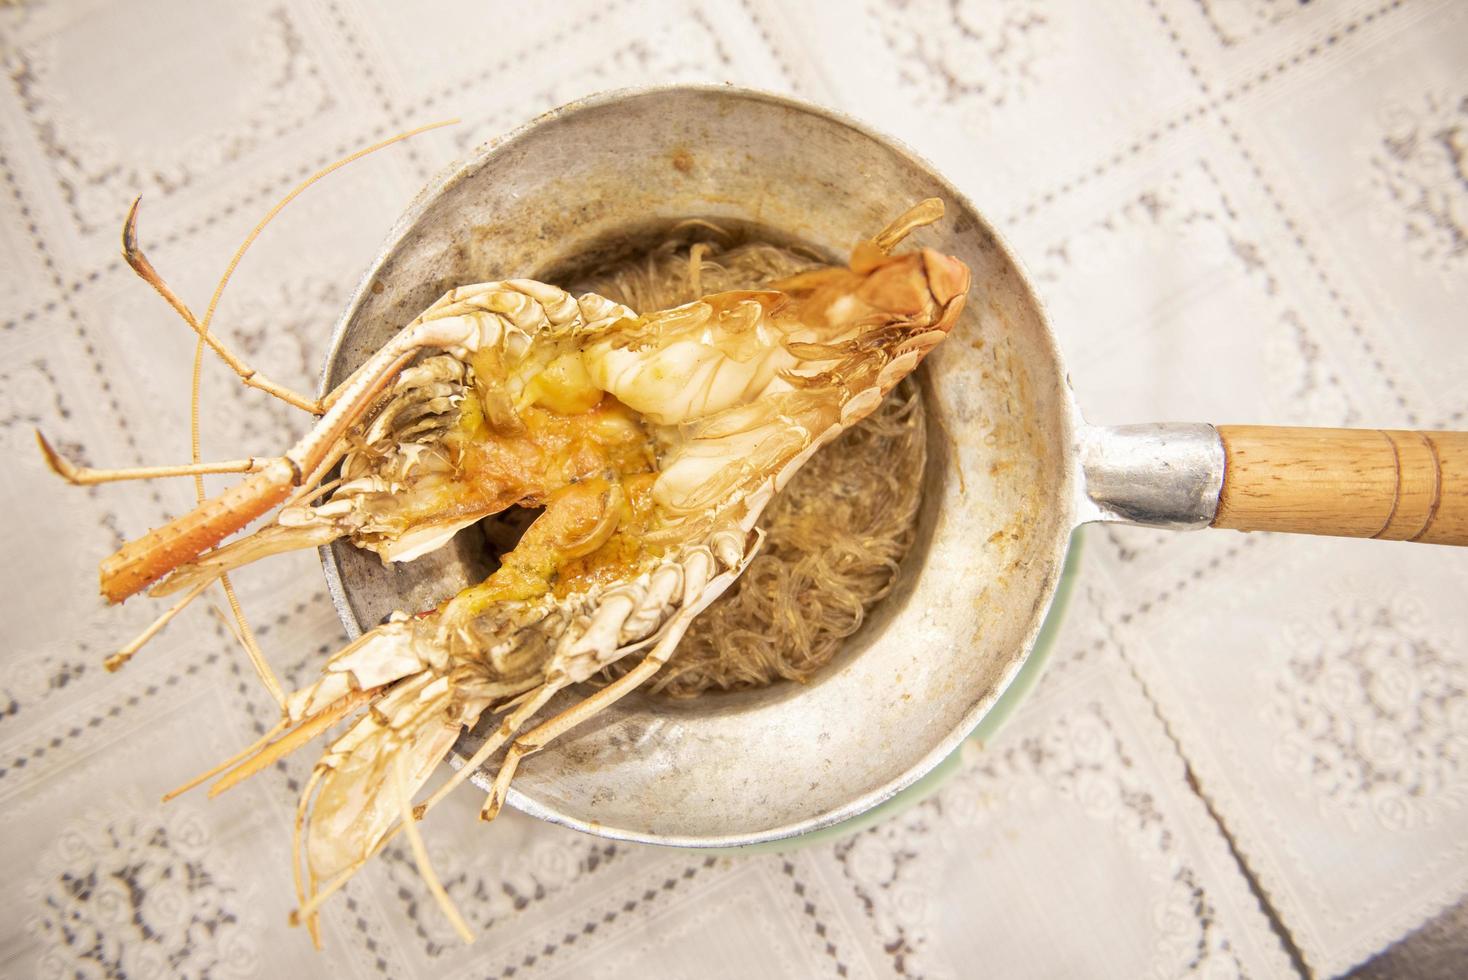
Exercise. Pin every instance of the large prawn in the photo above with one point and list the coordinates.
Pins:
(653, 442)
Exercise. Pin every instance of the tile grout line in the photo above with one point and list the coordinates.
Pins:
(1216, 106)
(384, 98)
(272, 188)
(1034, 206)
(263, 191)
(1266, 906)
(53, 272)
(1210, 106)
(1291, 225)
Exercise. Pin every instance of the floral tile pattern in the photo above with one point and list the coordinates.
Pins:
(1248, 756)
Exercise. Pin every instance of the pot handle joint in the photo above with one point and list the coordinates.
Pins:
(1356, 483)
(1166, 474)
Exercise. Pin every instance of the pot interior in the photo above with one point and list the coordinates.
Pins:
(602, 179)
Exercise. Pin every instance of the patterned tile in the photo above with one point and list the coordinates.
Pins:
(1086, 768)
(1177, 294)
(242, 85)
(1006, 99)
(1240, 210)
(1375, 185)
(1321, 702)
(602, 47)
(1242, 42)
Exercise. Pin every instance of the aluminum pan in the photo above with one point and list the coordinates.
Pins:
(999, 501)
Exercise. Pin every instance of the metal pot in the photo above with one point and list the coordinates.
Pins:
(1013, 466)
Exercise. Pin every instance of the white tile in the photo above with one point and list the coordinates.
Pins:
(1322, 702)
(1367, 158)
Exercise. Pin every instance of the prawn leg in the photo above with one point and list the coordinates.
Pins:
(85, 476)
(696, 598)
(506, 728)
(541, 735)
(132, 253)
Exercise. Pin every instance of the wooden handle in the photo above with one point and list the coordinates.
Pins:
(1355, 483)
